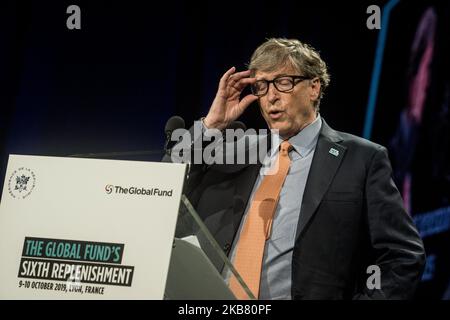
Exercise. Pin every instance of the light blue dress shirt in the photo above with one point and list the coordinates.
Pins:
(277, 261)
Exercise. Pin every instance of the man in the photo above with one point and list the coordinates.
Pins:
(331, 210)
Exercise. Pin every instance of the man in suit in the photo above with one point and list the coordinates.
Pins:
(336, 210)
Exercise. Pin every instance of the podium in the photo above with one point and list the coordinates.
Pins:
(192, 275)
(93, 229)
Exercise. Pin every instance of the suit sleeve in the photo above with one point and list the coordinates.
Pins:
(189, 150)
(395, 243)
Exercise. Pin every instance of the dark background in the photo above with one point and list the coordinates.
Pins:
(112, 85)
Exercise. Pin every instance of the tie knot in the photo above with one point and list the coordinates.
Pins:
(285, 147)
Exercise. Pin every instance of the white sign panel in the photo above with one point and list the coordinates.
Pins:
(86, 228)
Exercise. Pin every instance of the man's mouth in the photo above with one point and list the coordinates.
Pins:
(275, 114)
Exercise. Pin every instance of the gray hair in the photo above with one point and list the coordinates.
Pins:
(279, 52)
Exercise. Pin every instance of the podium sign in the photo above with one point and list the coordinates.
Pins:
(86, 228)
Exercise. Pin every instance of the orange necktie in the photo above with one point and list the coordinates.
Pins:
(258, 227)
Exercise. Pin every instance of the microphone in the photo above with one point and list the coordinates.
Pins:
(174, 123)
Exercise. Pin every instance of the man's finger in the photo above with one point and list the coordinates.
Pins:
(246, 101)
(241, 84)
(223, 81)
(235, 77)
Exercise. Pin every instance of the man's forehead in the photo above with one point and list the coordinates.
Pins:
(281, 71)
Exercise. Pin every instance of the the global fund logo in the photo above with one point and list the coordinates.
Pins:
(137, 191)
(109, 188)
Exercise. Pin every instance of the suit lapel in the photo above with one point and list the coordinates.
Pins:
(327, 158)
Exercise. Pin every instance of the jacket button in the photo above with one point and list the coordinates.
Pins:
(226, 247)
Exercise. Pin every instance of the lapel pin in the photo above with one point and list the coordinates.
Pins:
(334, 152)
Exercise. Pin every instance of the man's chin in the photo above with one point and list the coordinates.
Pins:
(281, 130)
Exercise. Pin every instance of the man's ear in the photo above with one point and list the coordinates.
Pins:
(315, 88)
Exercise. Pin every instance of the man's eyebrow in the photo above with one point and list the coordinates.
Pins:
(282, 75)
(275, 76)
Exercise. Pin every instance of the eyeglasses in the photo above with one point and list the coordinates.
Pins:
(282, 84)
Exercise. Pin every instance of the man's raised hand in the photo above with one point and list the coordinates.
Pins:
(226, 106)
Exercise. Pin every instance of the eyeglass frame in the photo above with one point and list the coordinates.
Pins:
(293, 78)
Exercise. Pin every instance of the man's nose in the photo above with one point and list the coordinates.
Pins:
(272, 93)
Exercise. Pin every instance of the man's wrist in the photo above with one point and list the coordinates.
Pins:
(208, 125)
(205, 126)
